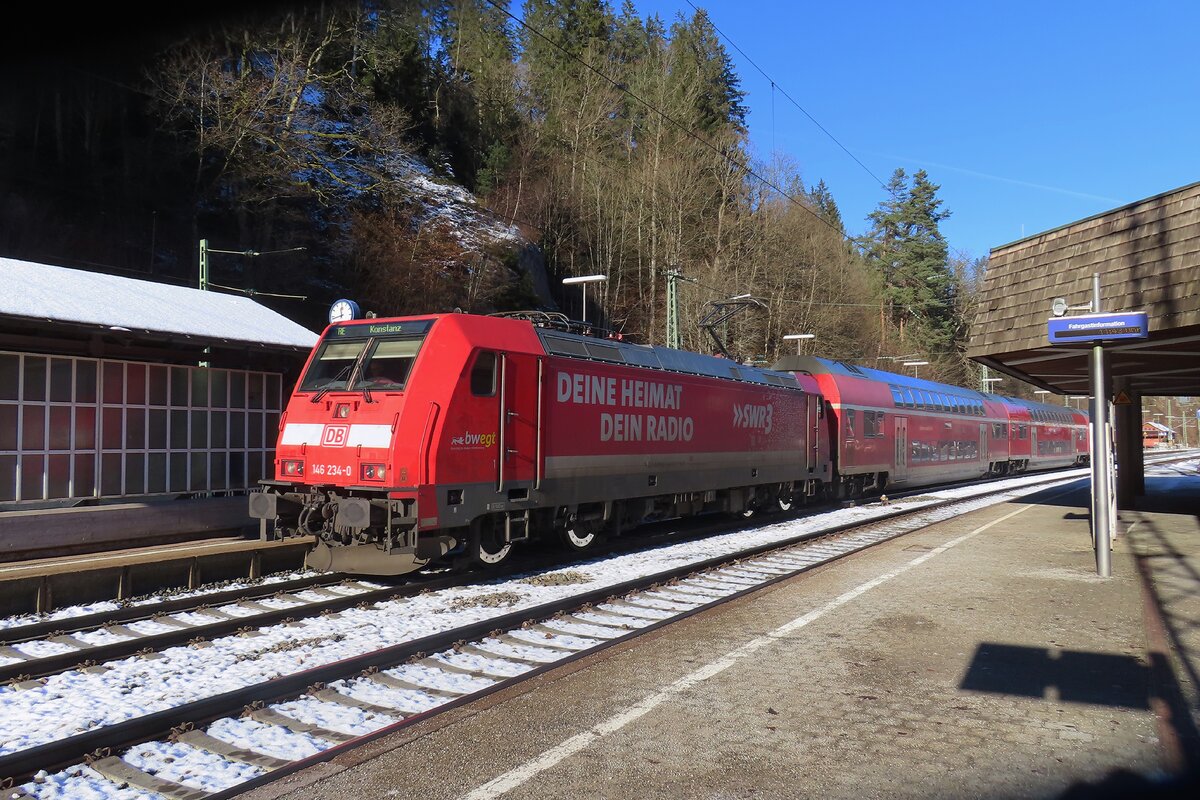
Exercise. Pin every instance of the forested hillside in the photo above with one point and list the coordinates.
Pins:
(615, 144)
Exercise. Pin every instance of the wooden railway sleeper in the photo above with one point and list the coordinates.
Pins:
(70, 641)
(615, 633)
(609, 621)
(393, 682)
(204, 741)
(483, 652)
(327, 695)
(272, 717)
(11, 652)
(548, 644)
(122, 772)
(434, 663)
(633, 603)
(633, 607)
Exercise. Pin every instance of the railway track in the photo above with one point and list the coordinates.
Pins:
(222, 743)
(47, 646)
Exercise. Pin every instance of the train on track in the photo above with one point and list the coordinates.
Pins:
(458, 437)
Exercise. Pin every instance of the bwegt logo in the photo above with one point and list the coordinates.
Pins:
(469, 439)
(755, 417)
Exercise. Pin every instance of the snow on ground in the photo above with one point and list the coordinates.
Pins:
(271, 740)
(81, 783)
(190, 766)
(86, 609)
(73, 701)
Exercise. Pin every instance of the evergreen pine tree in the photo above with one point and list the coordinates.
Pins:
(826, 206)
(910, 255)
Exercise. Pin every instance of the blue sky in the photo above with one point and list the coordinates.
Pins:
(1029, 115)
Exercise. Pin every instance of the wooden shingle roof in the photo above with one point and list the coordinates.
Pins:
(1148, 256)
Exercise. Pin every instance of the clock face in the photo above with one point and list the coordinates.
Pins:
(343, 311)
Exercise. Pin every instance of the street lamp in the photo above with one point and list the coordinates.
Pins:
(914, 365)
(799, 339)
(584, 280)
(1041, 392)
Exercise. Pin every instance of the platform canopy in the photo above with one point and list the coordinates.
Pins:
(1148, 256)
(40, 298)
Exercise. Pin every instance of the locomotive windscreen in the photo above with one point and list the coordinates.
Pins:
(375, 363)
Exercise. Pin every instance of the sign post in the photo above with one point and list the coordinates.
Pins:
(1096, 329)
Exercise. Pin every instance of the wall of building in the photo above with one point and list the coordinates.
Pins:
(75, 427)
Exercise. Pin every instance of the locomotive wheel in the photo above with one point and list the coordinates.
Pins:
(578, 535)
(487, 542)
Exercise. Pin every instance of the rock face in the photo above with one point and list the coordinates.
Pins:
(477, 228)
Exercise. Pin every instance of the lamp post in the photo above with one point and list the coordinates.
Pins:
(799, 339)
(584, 280)
(915, 365)
(1039, 393)
(987, 383)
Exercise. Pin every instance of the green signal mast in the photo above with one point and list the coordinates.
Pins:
(673, 278)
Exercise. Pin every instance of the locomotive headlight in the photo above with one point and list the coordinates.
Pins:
(373, 472)
(343, 410)
(292, 467)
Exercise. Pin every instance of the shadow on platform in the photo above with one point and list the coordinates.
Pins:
(1068, 676)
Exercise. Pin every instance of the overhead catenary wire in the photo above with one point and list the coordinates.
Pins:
(667, 117)
(776, 87)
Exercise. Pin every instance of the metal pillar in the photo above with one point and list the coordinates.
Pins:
(1131, 478)
(203, 264)
(1101, 488)
(673, 309)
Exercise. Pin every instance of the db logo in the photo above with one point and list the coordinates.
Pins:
(335, 435)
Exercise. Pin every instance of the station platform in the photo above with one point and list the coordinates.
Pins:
(982, 657)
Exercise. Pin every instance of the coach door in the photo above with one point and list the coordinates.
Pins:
(983, 444)
(1033, 448)
(520, 420)
(900, 459)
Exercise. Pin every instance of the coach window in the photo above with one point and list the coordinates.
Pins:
(897, 397)
(483, 374)
(872, 424)
(850, 423)
(1022, 431)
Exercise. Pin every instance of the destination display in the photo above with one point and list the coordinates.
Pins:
(1099, 328)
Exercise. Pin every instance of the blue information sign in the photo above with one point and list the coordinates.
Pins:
(1099, 328)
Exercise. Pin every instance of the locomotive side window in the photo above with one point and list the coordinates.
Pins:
(331, 368)
(483, 375)
(388, 364)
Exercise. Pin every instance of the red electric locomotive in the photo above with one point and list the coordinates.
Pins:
(411, 439)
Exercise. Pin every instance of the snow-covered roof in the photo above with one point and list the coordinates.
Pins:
(1156, 426)
(41, 292)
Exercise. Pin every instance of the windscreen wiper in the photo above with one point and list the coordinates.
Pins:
(344, 373)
